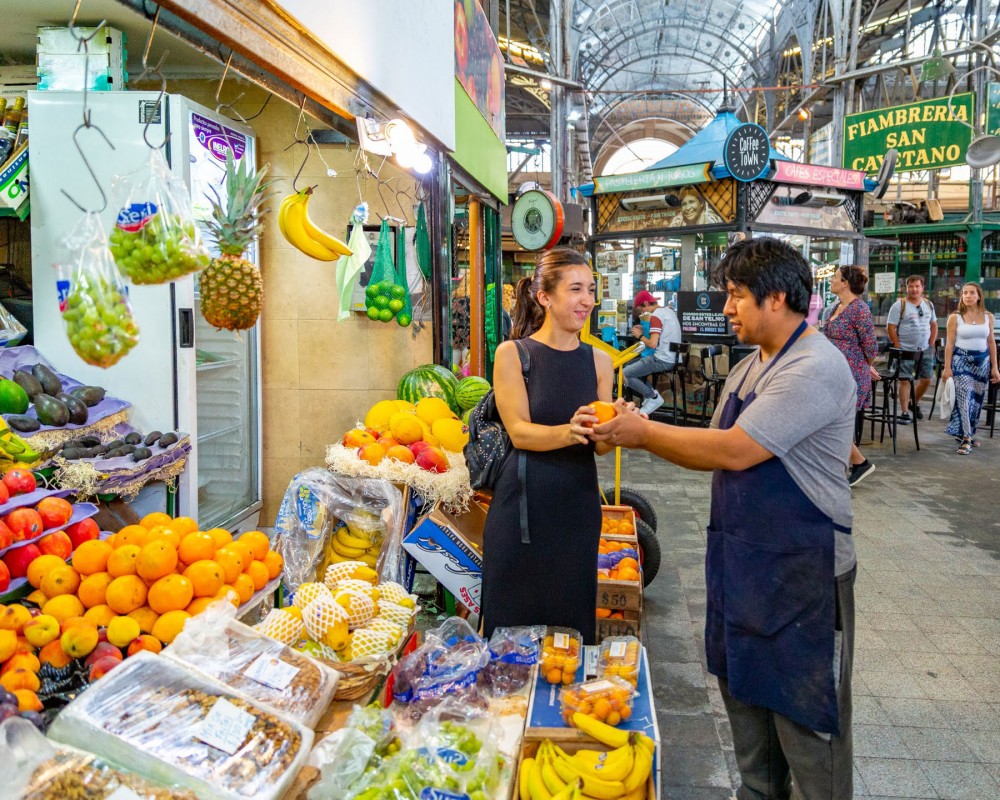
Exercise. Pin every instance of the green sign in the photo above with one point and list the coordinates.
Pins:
(652, 179)
(993, 110)
(928, 135)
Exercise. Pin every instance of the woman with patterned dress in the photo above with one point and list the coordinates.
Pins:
(970, 358)
(544, 524)
(851, 329)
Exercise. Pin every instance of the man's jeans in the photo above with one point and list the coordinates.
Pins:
(639, 369)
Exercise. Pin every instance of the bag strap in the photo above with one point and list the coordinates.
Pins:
(522, 459)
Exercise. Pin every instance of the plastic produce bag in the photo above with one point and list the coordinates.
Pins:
(175, 726)
(513, 652)
(34, 769)
(11, 330)
(448, 663)
(316, 502)
(342, 758)
(93, 297)
(254, 665)
(155, 238)
(384, 296)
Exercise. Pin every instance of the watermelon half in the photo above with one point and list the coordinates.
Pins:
(429, 380)
(470, 391)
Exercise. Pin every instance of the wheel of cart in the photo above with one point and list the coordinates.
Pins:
(649, 545)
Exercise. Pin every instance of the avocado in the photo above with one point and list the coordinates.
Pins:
(51, 411)
(90, 441)
(118, 452)
(13, 398)
(167, 439)
(91, 395)
(73, 453)
(133, 438)
(49, 380)
(141, 454)
(151, 437)
(28, 382)
(23, 424)
(77, 408)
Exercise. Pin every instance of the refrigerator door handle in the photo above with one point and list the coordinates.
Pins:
(185, 318)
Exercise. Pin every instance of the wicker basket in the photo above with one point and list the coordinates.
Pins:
(359, 678)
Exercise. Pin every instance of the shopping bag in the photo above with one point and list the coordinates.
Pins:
(946, 397)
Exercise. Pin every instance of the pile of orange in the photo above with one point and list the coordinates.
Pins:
(159, 572)
(617, 527)
(607, 613)
(626, 570)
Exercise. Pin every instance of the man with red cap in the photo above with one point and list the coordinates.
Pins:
(664, 328)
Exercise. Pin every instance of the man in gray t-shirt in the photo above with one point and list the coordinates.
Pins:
(780, 563)
(912, 325)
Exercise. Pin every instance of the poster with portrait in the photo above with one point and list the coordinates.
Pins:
(687, 206)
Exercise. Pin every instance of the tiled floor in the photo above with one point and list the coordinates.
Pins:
(927, 660)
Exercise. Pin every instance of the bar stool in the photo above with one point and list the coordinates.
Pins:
(713, 377)
(676, 376)
(886, 414)
(938, 369)
(991, 406)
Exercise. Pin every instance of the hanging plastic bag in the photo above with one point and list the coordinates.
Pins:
(11, 330)
(405, 315)
(93, 297)
(384, 297)
(155, 238)
(422, 244)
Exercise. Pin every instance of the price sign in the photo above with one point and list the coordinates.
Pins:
(225, 727)
(885, 282)
(271, 671)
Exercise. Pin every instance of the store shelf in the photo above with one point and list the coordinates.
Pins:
(231, 362)
(220, 433)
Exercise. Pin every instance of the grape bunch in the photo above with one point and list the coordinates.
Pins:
(99, 321)
(163, 249)
(385, 300)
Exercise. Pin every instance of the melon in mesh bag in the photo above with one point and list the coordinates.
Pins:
(358, 586)
(360, 607)
(367, 643)
(308, 592)
(341, 571)
(385, 626)
(282, 626)
(327, 623)
(395, 613)
(394, 593)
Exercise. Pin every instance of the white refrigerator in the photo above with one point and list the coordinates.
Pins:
(183, 375)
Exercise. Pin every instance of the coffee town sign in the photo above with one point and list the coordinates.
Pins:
(928, 135)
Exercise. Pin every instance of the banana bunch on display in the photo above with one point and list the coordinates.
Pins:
(358, 539)
(621, 773)
(13, 450)
(303, 234)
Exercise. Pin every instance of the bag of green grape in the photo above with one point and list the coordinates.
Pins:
(93, 296)
(156, 238)
(384, 297)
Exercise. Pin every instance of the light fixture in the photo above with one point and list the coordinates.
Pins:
(819, 199)
(545, 84)
(803, 114)
(935, 67)
(423, 164)
(573, 115)
(984, 149)
(394, 138)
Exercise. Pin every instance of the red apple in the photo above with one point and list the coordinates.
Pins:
(4, 494)
(432, 459)
(24, 523)
(19, 481)
(4, 577)
(54, 511)
(17, 560)
(57, 544)
(6, 537)
(83, 531)
(416, 447)
(103, 650)
(102, 667)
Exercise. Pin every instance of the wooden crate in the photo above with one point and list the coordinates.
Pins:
(630, 626)
(623, 596)
(619, 513)
(529, 748)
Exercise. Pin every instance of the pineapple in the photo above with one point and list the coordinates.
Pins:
(232, 292)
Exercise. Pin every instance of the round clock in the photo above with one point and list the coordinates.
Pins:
(748, 152)
(537, 220)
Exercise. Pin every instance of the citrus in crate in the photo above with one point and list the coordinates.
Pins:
(608, 700)
(619, 657)
(561, 650)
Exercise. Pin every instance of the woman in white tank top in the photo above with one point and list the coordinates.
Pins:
(970, 357)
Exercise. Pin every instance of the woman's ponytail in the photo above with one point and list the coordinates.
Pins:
(528, 314)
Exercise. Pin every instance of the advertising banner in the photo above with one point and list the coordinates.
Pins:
(680, 207)
(479, 64)
(652, 179)
(928, 135)
(701, 314)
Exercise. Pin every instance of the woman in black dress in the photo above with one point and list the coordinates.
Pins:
(551, 579)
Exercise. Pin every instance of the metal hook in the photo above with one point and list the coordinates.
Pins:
(82, 41)
(299, 140)
(86, 163)
(219, 105)
(157, 72)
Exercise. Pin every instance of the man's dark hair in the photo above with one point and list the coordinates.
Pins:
(915, 279)
(765, 266)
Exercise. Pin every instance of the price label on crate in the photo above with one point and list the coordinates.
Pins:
(225, 727)
(612, 599)
(271, 671)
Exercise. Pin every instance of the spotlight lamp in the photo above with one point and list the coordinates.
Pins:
(936, 67)
(984, 149)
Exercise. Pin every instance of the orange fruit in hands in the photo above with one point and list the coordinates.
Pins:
(605, 412)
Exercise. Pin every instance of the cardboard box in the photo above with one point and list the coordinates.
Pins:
(14, 182)
(450, 547)
(59, 40)
(529, 749)
(629, 626)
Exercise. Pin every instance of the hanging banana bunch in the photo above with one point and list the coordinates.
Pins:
(303, 234)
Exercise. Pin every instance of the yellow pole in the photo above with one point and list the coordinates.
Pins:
(618, 451)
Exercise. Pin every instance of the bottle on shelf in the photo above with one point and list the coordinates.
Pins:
(22, 130)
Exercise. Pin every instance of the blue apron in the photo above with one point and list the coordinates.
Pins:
(769, 570)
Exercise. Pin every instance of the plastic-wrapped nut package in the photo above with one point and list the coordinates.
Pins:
(177, 727)
(262, 669)
(34, 769)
